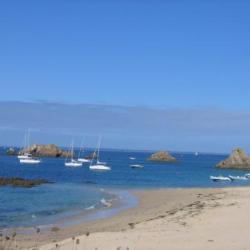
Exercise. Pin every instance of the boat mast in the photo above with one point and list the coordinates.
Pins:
(72, 150)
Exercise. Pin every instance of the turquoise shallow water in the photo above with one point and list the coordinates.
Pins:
(77, 190)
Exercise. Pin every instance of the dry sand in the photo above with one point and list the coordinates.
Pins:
(164, 219)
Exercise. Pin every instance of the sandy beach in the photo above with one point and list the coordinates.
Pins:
(164, 219)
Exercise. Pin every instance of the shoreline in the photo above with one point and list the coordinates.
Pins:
(176, 212)
(120, 200)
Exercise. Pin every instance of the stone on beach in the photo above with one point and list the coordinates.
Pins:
(238, 159)
(162, 156)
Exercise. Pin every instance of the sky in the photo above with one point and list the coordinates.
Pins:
(183, 57)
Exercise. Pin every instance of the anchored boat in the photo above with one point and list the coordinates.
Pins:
(99, 166)
(219, 178)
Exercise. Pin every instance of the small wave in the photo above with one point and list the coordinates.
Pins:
(90, 207)
(106, 203)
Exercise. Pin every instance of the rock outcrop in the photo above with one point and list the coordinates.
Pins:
(20, 182)
(238, 159)
(11, 151)
(162, 156)
(50, 150)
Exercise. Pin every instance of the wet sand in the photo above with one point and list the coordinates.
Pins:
(164, 219)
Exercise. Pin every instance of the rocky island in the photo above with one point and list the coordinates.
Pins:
(11, 151)
(49, 150)
(238, 159)
(162, 156)
(20, 182)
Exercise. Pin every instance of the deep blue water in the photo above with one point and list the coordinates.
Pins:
(78, 189)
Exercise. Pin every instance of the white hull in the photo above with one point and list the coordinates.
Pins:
(101, 163)
(132, 158)
(136, 166)
(23, 156)
(83, 160)
(30, 161)
(219, 178)
(99, 167)
(240, 178)
(73, 164)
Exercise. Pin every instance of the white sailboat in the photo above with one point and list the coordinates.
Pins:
(72, 163)
(27, 158)
(25, 155)
(99, 166)
(82, 159)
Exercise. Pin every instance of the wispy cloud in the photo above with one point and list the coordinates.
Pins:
(135, 127)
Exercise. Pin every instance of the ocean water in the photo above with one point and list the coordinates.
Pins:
(77, 190)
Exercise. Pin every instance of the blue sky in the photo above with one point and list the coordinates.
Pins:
(156, 54)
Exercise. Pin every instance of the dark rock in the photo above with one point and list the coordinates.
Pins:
(20, 182)
(162, 156)
(238, 159)
(50, 150)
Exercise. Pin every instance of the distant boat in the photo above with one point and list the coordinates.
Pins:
(82, 159)
(196, 153)
(219, 178)
(24, 156)
(132, 158)
(72, 163)
(30, 160)
(99, 166)
(235, 178)
(136, 166)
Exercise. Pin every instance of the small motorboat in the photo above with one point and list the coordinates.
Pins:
(219, 178)
(30, 160)
(247, 175)
(99, 167)
(136, 166)
(73, 163)
(236, 178)
(132, 158)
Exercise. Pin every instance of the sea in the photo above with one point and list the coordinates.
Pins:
(80, 191)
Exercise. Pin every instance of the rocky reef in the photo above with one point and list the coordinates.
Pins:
(49, 150)
(238, 159)
(20, 182)
(162, 156)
